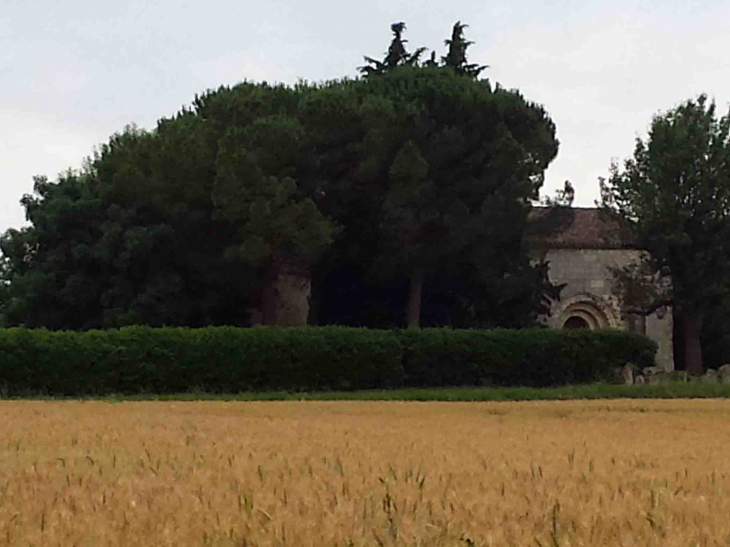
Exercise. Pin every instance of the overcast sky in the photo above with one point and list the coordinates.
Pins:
(72, 72)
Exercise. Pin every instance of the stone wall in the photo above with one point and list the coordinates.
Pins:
(588, 299)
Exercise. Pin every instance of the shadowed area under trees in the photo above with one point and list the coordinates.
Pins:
(398, 198)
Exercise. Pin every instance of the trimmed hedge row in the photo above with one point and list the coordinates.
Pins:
(531, 358)
(229, 360)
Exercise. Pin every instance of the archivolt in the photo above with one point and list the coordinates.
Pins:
(588, 308)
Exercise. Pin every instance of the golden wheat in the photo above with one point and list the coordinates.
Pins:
(365, 473)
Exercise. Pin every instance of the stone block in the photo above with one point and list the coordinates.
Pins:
(628, 374)
(724, 372)
(710, 375)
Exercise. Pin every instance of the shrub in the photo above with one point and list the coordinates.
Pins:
(215, 359)
(534, 357)
(227, 359)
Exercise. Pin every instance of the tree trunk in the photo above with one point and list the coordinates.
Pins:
(691, 327)
(270, 301)
(414, 299)
(285, 298)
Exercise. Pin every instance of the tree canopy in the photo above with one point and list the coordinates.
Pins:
(456, 57)
(130, 239)
(675, 195)
(398, 56)
(410, 185)
(455, 162)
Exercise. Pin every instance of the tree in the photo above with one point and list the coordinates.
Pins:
(223, 208)
(563, 197)
(274, 167)
(675, 196)
(456, 57)
(429, 160)
(197, 222)
(48, 276)
(278, 230)
(128, 240)
(455, 162)
(396, 56)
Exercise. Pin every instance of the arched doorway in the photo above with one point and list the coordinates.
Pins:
(575, 322)
(585, 311)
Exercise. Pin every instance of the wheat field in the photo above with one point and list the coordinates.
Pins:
(365, 473)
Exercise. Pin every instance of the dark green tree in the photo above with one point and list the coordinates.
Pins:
(277, 162)
(455, 163)
(396, 56)
(675, 195)
(279, 229)
(129, 240)
(456, 56)
(198, 221)
(191, 223)
(49, 267)
(715, 336)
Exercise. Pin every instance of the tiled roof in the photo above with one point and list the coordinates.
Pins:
(577, 228)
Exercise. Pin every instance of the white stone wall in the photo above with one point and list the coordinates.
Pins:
(589, 295)
(661, 331)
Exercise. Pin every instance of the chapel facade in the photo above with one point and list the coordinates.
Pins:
(582, 248)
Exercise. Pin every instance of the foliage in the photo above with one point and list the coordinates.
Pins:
(226, 359)
(34, 289)
(264, 150)
(675, 195)
(457, 164)
(563, 197)
(456, 57)
(256, 188)
(418, 178)
(176, 226)
(527, 357)
(396, 56)
(217, 359)
(130, 239)
(641, 288)
(715, 335)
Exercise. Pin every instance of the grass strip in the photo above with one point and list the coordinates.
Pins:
(672, 390)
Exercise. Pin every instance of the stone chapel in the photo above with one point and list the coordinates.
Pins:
(581, 248)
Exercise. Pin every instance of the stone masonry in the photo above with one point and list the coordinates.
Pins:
(580, 254)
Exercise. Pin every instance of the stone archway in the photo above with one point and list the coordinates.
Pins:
(585, 311)
(575, 322)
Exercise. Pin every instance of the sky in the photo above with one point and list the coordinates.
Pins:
(73, 72)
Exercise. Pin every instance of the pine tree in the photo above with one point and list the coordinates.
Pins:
(456, 57)
(397, 54)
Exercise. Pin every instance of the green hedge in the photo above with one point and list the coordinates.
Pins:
(534, 358)
(230, 360)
